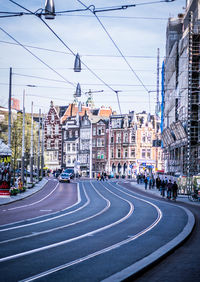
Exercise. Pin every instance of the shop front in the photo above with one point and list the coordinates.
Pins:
(5, 169)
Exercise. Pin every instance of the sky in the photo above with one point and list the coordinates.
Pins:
(118, 50)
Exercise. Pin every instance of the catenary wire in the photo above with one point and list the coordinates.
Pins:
(43, 62)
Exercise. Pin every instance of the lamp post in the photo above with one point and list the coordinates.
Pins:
(31, 151)
(91, 151)
(38, 162)
(23, 140)
(42, 149)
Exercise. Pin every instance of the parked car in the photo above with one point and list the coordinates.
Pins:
(70, 171)
(64, 177)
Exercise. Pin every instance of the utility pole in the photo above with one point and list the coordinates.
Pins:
(109, 138)
(157, 106)
(42, 150)
(31, 151)
(38, 161)
(23, 140)
(189, 160)
(91, 151)
(9, 108)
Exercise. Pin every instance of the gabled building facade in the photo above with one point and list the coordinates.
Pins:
(100, 145)
(71, 133)
(52, 139)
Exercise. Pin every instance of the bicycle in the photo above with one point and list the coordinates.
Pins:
(194, 196)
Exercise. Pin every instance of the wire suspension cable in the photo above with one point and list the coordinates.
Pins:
(43, 62)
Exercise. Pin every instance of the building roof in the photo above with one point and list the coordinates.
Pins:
(72, 110)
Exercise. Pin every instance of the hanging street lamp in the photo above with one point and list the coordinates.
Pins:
(49, 10)
(78, 91)
(77, 63)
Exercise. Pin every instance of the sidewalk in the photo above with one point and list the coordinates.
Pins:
(9, 199)
(155, 191)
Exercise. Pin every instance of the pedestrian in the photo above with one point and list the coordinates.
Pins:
(158, 183)
(102, 176)
(138, 178)
(153, 182)
(99, 176)
(150, 183)
(105, 175)
(174, 191)
(162, 188)
(169, 189)
(145, 182)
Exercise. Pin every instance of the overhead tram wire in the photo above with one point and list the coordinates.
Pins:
(67, 47)
(91, 55)
(43, 62)
(120, 52)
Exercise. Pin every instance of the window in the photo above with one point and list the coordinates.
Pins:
(126, 153)
(100, 142)
(52, 117)
(98, 155)
(76, 133)
(143, 138)
(125, 137)
(149, 138)
(94, 131)
(56, 129)
(112, 154)
(77, 147)
(48, 143)
(132, 153)
(69, 160)
(118, 137)
(143, 153)
(55, 156)
(56, 143)
(68, 147)
(73, 147)
(70, 134)
(133, 137)
(148, 153)
(112, 139)
(119, 153)
(93, 142)
(48, 129)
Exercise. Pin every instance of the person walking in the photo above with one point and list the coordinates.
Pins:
(174, 191)
(162, 188)
(169, 189)
(145, 182)
(158, 183)
(102, 176)
(99, 176)
(150, 183)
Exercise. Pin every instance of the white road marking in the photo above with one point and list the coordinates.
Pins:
(64, 226)
(110, 248)
(32, 204)
(46, 210)
(75, 238)
(45, 220)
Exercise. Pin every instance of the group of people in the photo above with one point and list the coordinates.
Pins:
(166, 188)
(102, 176)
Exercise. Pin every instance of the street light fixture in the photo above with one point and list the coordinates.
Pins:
(49, 10)
(77, 63)
(78, 91)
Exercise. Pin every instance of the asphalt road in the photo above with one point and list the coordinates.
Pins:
(183, 264)
(106, 229)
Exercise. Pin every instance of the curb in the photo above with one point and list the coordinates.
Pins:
(137, 268)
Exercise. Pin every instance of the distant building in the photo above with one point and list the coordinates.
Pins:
(53, 139)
